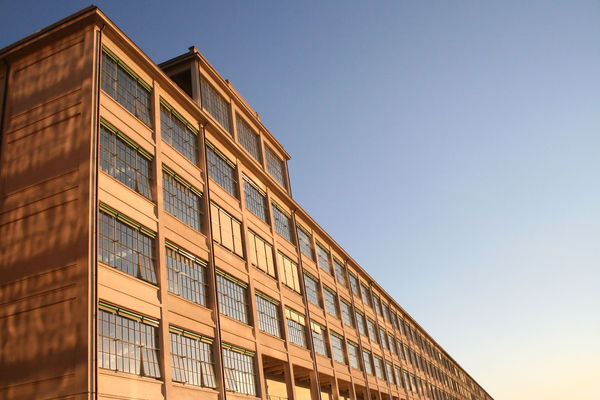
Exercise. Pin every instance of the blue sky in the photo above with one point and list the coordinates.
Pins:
(461, 137)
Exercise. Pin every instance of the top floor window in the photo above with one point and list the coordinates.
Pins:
(120, 83)
(275, 166)
(386, 311)
(340, 272)
(323, 256)
(366, 295)
(304, 241)
(221, 169)
(283, 222)
(215, 104)
(256, 200)
(179, 133)
(124, 160)
(248, 139)
(377, 304)
(353, 283)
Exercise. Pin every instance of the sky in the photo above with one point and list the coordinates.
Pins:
(451, 148)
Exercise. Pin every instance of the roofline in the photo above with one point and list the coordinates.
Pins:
(47, 29)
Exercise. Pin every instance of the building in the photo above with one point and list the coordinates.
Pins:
(150, 247)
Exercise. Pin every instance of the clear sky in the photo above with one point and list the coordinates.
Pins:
(451, 148)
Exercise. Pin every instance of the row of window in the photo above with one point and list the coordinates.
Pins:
(123, 85)
(127, 246)
(128, 342)
(127, 162)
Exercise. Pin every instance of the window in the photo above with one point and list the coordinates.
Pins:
(394, 319)
(340, 272)
(372, 331)
(296, 324)
(337, 347)
(407, 329)
(367, 362)
(268, 314)
(186, 275)
(377, 304)
(232, 297)
(181, 200)
(413, 359)
(179, 133)
(398, 375)
(248, 139)
(260, 253)
(120, 83)
(221, 169)
(353, 355)
(392, 343)
(347, 312)
(256, 200)
(304, 241)
(283, 223)
(125, 161)
(383, 338)
(405, 380)
(323, 256)
(318, 338)
(191, 358)
(226, 230)
(401, 325)
(125, 245)
(290, 272)
(413, 383)
(311, 284)
(127, 342)
(361, 323)
(366, 296)
(238, 365)
(330, 301)
(400, 349)
(386, 311)
(275, 166)
(378, 361)
(353, 283)
(390, 372)
(215, 104)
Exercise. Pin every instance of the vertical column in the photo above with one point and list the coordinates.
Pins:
(161, 273)
(212, 276)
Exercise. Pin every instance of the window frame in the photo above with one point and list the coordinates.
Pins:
(143, 254)
(236, 379)
(186, 209)
(252, 192)
(144, 114)
(195, 266)
(267, 314)
(143, 171)
(221, 169)
(192, 363)
(146, 329)
(296, 327)
(231, 308)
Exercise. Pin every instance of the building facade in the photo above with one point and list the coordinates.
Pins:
(150, 247)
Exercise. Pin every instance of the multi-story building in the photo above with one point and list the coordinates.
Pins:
(150, 247)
